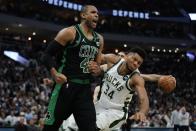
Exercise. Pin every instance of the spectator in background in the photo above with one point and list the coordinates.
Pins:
(21, 126)
(28, 114)
(184, 118)
(11, 88)
(193, 120)
(11, 119)
(175, 121)
(166, 118)
(32, 125)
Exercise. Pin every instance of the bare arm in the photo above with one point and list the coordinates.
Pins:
(142, 94)
(65, 36)
(99, 55)
(104, 67)
(110, 59)
(151, 77)
(94, 66)
(138, 82)
(106, 60)
(96, 92)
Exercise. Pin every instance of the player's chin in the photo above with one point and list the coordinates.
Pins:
(94, 25)
(131, 68)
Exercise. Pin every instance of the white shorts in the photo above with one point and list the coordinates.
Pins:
(109, 119)
(106, 119)
(70, 124)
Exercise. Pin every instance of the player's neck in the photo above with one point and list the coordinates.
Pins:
(86, 30)
(123, 69)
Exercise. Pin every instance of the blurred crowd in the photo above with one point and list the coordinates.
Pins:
(24, 97)
(39, 10)
(163, 105)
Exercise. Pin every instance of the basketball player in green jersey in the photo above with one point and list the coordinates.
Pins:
(121, 78)
(73, 48)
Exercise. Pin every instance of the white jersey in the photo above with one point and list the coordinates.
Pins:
(116, 92)
(175, 120)
(184, 118)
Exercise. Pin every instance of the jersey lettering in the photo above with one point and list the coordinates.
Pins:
(114, 81)
(89, 52)
(84, 65)
(117, 90)
(108, 92)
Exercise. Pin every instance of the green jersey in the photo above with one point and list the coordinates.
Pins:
(77, 54)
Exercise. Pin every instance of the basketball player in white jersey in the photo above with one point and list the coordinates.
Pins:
(121, 79)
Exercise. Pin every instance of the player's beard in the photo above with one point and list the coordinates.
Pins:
(91, 24)
(129, 70)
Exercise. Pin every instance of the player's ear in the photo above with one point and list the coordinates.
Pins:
(82, 15)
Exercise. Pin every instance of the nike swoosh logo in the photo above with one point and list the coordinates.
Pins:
(83, 40)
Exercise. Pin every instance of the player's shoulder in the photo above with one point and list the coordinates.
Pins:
(68, 30)
(136, 78)
(111, 58)
(65, 35)
(100, 37)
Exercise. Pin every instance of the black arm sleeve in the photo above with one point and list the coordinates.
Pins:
(49, 56)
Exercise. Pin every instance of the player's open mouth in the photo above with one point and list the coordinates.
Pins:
(95, 22)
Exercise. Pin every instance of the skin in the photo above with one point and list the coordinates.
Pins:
(89, 19)
(131, 63)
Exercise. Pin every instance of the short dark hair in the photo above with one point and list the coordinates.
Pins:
(139, 51)
(85, 7)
